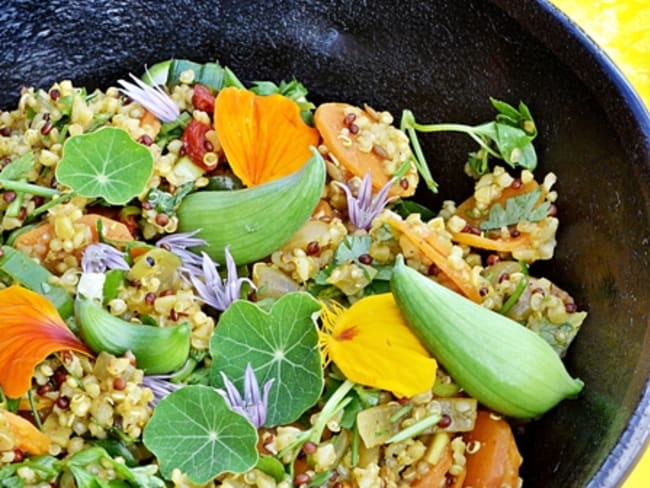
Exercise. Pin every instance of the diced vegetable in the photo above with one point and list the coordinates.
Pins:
(435, 476)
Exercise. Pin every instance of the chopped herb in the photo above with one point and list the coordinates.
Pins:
(518, 208)
(167, 203)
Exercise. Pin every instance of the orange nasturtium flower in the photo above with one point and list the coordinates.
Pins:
(372, 345)
(30, 330)
(264, 137)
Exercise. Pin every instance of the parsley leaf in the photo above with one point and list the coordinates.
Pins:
(518, 208)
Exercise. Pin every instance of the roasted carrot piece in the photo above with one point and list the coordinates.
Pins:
(150, 119)
(498, 245)
(35, 242)
(496, 462)
(438, 254)
(24, 434)
(329, 120)
(436, 475)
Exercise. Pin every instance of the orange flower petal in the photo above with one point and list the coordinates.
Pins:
(30, 330)
(264, 137)
(372, 345)
(25, 435)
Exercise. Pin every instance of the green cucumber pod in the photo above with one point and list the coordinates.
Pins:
(255, 221)
(501, 363)
(157, 350)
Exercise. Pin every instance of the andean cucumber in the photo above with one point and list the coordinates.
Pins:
(501, 363)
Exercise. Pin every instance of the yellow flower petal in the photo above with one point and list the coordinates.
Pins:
(372, 345)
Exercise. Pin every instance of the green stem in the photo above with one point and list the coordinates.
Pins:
(37, 417)
(55, 201)
(415, 429)
(407, 124)
(521, 286)
(19, 186)
(465, 129)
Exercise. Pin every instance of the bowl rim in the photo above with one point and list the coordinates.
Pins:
(605, 79)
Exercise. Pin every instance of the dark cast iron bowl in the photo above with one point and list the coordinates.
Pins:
(442, 59)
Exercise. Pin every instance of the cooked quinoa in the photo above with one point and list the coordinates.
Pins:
(88, 400)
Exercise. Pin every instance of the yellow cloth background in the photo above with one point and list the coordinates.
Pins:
(622, 28)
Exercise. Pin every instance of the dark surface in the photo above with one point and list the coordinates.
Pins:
(442, 59)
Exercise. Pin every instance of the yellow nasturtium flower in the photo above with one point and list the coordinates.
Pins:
(372, 345)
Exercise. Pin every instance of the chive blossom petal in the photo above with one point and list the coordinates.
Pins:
(154, 99)
(254, 404)
(363, 208)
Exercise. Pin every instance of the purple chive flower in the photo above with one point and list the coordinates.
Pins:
(254, 404)
(363, 209)
(154, 99)
(217, 292)
(98, 258)
(178, 244)
(160, 386)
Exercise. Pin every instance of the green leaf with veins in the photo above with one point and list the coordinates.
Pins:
(194, 430)
(107, 164)
(281, 344)
(518, 208)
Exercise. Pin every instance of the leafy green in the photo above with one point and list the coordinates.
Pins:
(167, 203)
(518, 208)
(194, 430)
(271, 466)
(349, 251)
(509, 138)
(47, 468)
(114, 280)
(18, 168)
(106, 163)
(293, 89)
(281, 344)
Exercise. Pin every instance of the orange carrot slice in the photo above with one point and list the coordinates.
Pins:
(150, 119)
(329, 120)
(436, 252)
(35, 242)
(436, 475)
(496, 463)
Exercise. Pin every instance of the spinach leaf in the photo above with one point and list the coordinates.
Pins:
(518, 208)
(194, 430)
(167, 203)
(106, 163)
(18, 168)
(281, 343)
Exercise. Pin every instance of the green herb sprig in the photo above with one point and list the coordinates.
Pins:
(509, 138)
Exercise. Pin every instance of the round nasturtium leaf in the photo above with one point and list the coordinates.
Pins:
(106, 163)
(194, 430)
(281, 344)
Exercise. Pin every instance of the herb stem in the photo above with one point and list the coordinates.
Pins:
(400, 413)
(415, 429)
(510, 302)
(465, 129)
(22, 187)
(32, 405)
(63, 197)
(407, 124)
